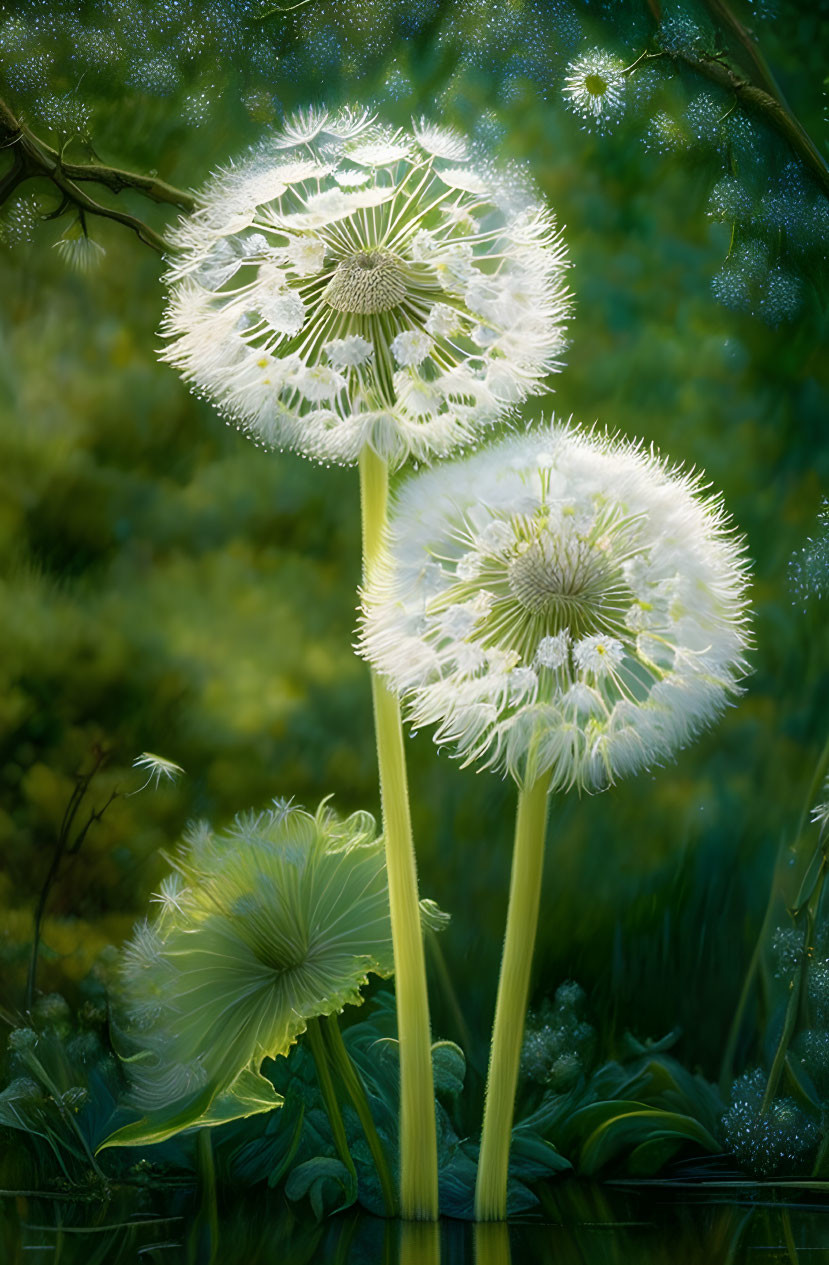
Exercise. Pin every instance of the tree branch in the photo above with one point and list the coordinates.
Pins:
(33, 158)
(775, 113)
(765, 79)
(117, 180)
(15, 175)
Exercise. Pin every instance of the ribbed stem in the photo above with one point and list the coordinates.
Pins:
(350, 1078)
(511, 1004)
(418, 1141)
(332, 1107)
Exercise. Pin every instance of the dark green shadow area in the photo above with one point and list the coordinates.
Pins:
(582, 1224)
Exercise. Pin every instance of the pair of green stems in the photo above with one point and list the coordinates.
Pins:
(418, 1138)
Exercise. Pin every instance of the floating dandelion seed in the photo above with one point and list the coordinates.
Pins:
(158, 770)
(820, 812)
(279, 919)
(349, 285)
(594, 88)
(78, 250)
(564, 601)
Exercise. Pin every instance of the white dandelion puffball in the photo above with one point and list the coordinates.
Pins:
(350, 285)
(564, 601)
(594, 87)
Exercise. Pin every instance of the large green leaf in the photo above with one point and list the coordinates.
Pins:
(327, 1183)
(533, 1156)
(448, 1067)
(610, 1128)
(248, 1095)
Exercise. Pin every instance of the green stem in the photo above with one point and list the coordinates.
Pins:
(795, 994)
(511, 1004)
(418, 1140)
(66, 1114)
(332, 1107)
(204, 1231)
(354, 1087)
(727, 1065)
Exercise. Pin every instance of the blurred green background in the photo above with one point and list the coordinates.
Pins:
(166, 586)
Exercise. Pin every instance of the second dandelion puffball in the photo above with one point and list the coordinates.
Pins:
(563, 602)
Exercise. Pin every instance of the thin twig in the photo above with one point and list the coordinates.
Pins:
(770, 108)
(33, 158)
(64, 846)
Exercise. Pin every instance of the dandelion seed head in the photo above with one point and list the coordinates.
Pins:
(52, 1011)
(594, 88)
(370, 250)
(782, 296)
(582, 560)
(730, 200)
(22, 1041)
(731, 287)
(263, 926)
(558, 1044)
(679, 31)
(812, 1048)
(818, 990)
(786, 951)
(705, 115)
(770, 1142)
(809, 566)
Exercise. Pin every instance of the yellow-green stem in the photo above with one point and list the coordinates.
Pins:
(329, 1096)
(418, 1140)
(350, 1078)
(511, 1004)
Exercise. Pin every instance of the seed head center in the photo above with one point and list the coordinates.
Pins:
(562, 582)
(366, 282)
(595, 84)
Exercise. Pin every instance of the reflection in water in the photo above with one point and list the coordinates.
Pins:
(492, 1243)
(580, 1224)
(419, 1243)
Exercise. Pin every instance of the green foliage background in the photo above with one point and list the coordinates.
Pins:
(167, 586)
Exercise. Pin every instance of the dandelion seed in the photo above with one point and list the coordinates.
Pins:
(78, 250)
(158, 770)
